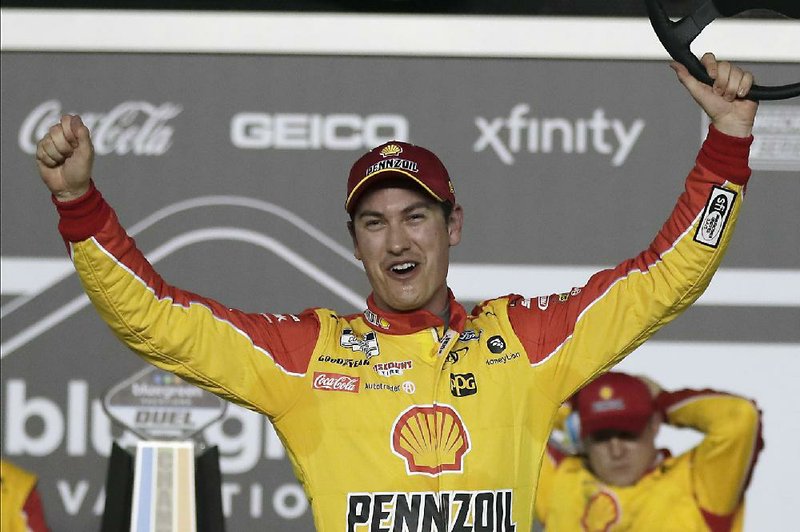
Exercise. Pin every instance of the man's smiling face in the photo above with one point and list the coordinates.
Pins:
(401, 236)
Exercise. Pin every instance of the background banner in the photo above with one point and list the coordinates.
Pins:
(230, 171)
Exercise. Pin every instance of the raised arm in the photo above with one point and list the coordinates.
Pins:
(256, 360)
(575, 335)
(723, 462)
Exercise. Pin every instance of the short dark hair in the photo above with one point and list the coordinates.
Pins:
(447, 210)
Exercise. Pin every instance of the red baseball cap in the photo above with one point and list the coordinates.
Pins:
(614, 401)
(396, 158)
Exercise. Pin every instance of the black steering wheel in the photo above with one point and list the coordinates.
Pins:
(677, 36)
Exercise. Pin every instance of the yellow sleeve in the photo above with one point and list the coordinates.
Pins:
(573, 336)
(256, 360)
(723, 462)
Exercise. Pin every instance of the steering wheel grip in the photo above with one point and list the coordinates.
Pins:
(677, 36)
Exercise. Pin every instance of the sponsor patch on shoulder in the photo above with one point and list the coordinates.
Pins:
(715, 216)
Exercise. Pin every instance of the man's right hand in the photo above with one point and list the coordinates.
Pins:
(64, 157)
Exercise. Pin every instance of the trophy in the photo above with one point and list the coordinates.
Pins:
(172, 484)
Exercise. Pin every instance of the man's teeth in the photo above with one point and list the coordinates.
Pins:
(403, 268)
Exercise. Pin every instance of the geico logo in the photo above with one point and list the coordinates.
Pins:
(339, 131)
(466, 511)
(133, 127)
(462, 384)
(507, 136)
(71, 422)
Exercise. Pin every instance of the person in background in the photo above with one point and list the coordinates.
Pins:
(21, 507)
(617, 479)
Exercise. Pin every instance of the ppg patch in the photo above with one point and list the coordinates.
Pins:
(715, 216)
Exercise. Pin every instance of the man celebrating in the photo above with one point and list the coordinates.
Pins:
(619, 480)
(413, 415)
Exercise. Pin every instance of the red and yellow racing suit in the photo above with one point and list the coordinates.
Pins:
(391, 421)
(701, 490)
(21, 507)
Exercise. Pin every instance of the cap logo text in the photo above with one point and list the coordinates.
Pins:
(393, 164)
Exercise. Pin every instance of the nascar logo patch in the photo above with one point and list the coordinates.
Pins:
(715, 216)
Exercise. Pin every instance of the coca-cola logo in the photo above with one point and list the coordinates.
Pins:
(135, 127)
(336, 382)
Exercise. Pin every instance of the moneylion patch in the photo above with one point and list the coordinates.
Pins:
(715, 216)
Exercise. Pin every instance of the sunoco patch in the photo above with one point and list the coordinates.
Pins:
(715, 216)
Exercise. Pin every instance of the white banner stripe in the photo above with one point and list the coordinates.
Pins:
(375, 34)
(476, 282)
(29, 275)
(730, 287)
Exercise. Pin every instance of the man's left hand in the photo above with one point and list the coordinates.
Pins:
(723, 102)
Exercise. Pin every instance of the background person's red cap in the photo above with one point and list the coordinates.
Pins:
(402, 159)
(614, 401)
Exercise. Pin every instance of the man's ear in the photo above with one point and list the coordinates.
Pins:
(455, 223)
(352, 230)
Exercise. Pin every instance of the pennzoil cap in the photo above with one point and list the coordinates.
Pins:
(399, 159)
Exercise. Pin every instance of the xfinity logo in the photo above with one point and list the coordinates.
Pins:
(518, 132)
(340, 131)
